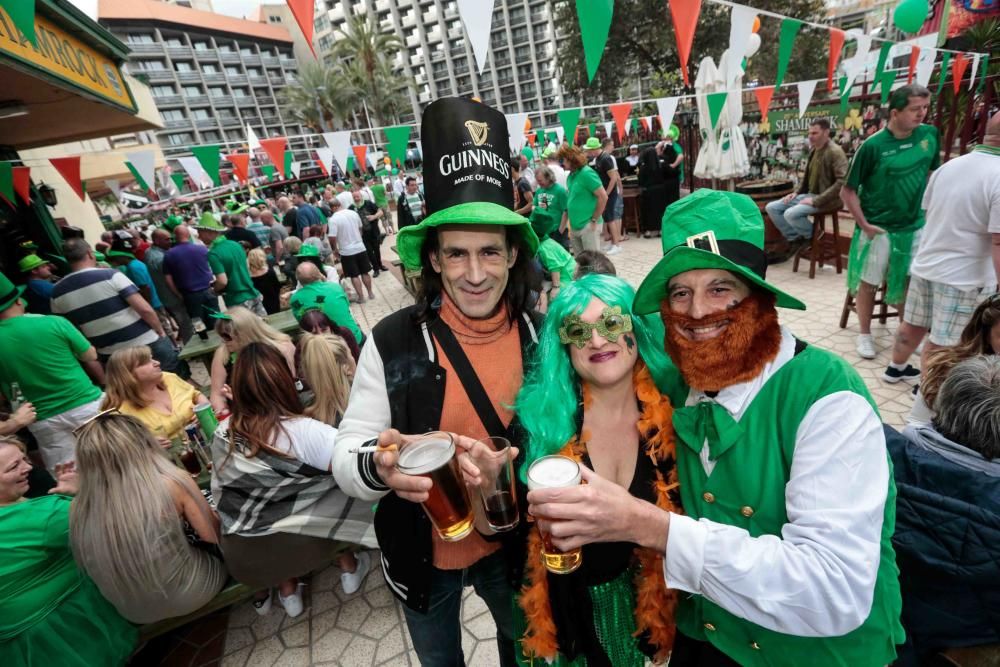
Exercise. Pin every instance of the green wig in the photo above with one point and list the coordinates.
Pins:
(548, 404)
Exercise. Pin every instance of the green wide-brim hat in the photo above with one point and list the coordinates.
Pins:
(208, 221)
(235, 208)
(9, 292)
(30, 262)
(308, 251)
(710, 229)
(410, 240)
(593, 143)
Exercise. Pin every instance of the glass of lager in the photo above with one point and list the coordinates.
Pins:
(432, 455)
(555, 472)
(496, 469)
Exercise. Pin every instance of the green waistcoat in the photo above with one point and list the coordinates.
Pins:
(747, 489)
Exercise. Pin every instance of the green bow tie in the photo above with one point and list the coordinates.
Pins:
(707, 421)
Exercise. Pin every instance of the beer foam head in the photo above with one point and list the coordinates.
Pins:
(425, 455)
(553, 472)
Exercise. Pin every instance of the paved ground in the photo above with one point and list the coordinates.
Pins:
(368, 628)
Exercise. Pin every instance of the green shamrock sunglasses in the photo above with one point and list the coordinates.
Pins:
(610, 326)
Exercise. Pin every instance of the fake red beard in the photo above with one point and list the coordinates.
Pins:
(738, 354)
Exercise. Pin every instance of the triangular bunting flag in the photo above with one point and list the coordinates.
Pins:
(945, 62)
(595, 22)
(340, 144)
(69, 168)
(609, 127)
(178, 180)
(925, 66)
(7, 182)
(837, 37)
(325, 157)
(740, 28)
(958, 66)
(287, 164)
(620, 113)
(857, 63)
(515, 130)
(252, 142)
(351, 164)
(845, 94)
(303, 11)
(275, 149)
(972, 72)
(22, 183)
(685, 18)
(986, 73)
(883, 55)
(115, 186)
(789, 29)
(296, 168)
(144, 163)
(912, 67)
(194, 171)
(646, 127)
(666, 107)
(806, 90)
(22, 14)
(885, 85)
(477, 17)
(716, 101)
(569, 118)
(764, 95)
(560, 135)
(359, 157)
(209, 159)
(241, 165)
(268, 170)
(137, 176)
(397, 139)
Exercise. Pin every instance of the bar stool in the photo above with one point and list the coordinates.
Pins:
(823, 247)
(881, 311)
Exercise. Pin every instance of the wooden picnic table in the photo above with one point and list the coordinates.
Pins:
(202, 350)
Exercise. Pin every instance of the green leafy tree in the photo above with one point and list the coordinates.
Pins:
(321, 97)
(366, 54)
(642, 46)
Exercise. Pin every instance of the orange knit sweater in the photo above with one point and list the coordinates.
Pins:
(494, 350)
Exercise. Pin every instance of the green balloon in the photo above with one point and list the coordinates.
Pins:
(910, 15)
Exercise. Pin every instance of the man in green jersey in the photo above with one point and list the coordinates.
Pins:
(884, 191)
(228, 262)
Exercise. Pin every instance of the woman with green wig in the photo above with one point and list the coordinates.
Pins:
(590, 395)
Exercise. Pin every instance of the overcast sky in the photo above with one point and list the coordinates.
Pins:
(238, 7)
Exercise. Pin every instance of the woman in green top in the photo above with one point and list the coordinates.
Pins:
(549, 207)
(585, 203)
(50, 612)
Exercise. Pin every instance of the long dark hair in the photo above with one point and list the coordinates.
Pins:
(263, 395)
(522, 278)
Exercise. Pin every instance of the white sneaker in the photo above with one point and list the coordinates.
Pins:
(351, 581)
(613, 250)
(607, 247)
(866, 347)
(293, 603)
(262, 607)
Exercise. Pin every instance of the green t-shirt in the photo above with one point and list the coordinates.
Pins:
(557, 259)
(581, 200)
(225, 256)
(548, 208)
(39, 353)
(890, 175)
(378, 192)
(329, 298)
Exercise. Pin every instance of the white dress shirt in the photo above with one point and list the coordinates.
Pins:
(817, 579)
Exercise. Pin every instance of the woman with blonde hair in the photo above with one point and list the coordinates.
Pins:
(265, 280)
(237, 328)
(136, 386)
(328, 368)
(137, 522)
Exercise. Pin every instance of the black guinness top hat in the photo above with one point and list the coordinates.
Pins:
(466, 174)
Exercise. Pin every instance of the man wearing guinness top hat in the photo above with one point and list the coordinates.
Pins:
(784, 553)
(452, 362)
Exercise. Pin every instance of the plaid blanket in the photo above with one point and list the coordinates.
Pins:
(268, 494)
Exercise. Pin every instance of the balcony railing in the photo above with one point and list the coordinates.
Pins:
(253, 59)
(157, 75)
(214, 77)
(197, 100)
(258, 80)
(179, 51)
(206, 123)
(229, 56)
(173, 124)
(236, 79)
(169, 100)
(146, 49)
(188, 77)
(270, 61)
(207, 55)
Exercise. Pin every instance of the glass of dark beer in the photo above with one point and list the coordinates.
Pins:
(555, 472)
(432, 455)
(496, 469)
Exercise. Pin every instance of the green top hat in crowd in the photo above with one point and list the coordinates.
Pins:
(9, 292)
(592, 143)
(308, 251)
(207, 221)
(30, 263)
(710, 229)
(467, 178)
(235, 207)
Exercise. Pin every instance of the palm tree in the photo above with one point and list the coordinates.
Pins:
(321, 97)
(366, 54)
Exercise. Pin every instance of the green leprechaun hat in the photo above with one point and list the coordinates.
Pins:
(235, 207)
(710, 229)
(466, 151)
(30, 263)
(208, 221)
(592, 144)
(9, 292)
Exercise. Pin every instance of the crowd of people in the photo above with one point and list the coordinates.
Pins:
(741, 502)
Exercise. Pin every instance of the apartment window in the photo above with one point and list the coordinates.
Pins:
(235, 135)
(463, 82)
(273, 19)
(225, 47)
(247, 51)
(201, 46)
(233, 71)
(216, 91)
(524, 71)
(254, 71)
(210, 137)
(516, 15)
(519, 35)
(241, 92)
(225, 112)
(173, 41)
(139, 38)
(193, 90)
(173, 114)
(183, 66)
(409, 33)
(163, 91)
(152, 65)
(200, 114)
(179, 139)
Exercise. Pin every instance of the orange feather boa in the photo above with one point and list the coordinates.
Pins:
(655, 603)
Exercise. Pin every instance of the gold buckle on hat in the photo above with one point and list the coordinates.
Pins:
(704, 241)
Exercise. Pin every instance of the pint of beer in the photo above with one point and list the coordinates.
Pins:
(555, 472)
(448, 507)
